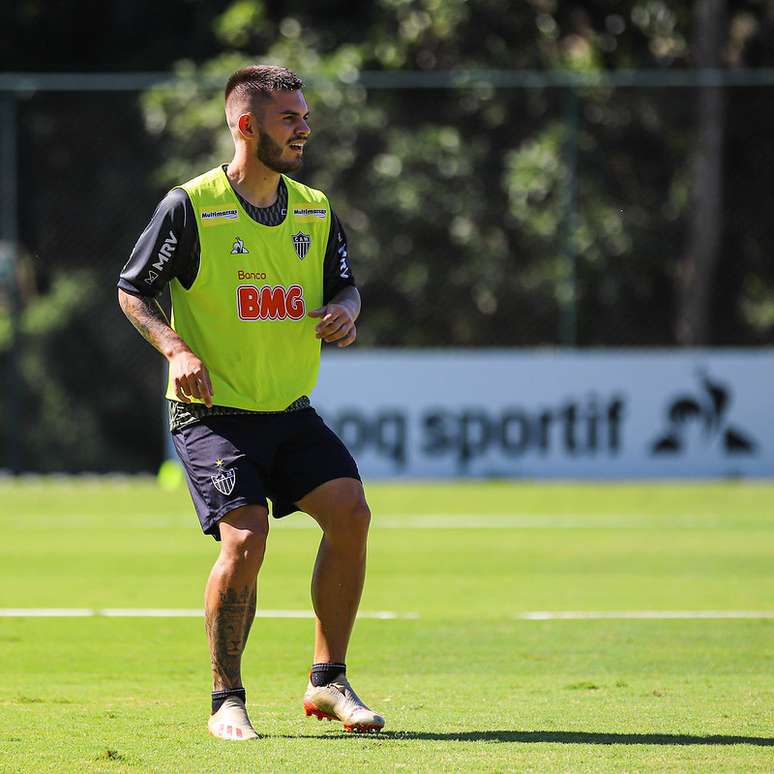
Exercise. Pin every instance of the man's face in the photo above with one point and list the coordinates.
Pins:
(283, 130)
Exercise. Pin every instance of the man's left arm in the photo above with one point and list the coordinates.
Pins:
(337, 317)
(341, 298)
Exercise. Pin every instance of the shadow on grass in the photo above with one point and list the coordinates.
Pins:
(560, 737)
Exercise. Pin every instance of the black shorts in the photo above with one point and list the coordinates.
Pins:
(243, 459)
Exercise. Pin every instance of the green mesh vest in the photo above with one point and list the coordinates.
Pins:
(245, 315)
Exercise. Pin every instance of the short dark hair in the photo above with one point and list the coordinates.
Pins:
(261, 80)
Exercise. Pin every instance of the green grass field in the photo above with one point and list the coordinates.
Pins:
(467, 685)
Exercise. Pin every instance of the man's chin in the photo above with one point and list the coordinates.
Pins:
(288, 166)
(296, 166)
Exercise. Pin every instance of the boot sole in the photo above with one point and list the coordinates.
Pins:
(358, 728)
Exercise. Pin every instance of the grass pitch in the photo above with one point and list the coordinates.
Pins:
(465, 686)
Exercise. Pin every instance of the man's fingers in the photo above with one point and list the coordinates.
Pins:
(328, 323)
(206, 387)
(317, 312)
(193, 387)
(351, 336)
(197, 386)
(334, 326)
(181, 392)
(337, 334)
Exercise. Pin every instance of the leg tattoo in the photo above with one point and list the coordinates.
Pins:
(227, 626)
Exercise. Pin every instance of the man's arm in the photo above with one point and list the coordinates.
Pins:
(188, 373)
(341, 300)
(168, 248)
(338, 317)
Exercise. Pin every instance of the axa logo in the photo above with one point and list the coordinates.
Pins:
(166, 251)
(270, 302)
(705, 410)
(238, 248)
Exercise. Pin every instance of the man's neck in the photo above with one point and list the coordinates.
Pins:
(253, 180)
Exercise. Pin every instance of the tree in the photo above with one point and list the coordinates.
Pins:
(454, 199)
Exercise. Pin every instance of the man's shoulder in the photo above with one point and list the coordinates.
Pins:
(176, 197)
(307, 193)
(175, 207)
(203, 180)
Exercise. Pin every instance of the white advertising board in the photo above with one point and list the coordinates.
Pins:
(517, 413)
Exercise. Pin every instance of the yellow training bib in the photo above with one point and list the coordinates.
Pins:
(245, 315)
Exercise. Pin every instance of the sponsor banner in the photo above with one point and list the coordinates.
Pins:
(211, 216)
(309, 214)
(617, 414)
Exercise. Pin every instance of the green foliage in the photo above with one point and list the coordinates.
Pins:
(463, 195)
(240, 22)
(457, 202)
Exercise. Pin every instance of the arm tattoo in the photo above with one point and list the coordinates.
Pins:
(149, 319)
(227, 626)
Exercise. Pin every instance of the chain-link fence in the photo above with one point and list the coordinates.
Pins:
(488, 209)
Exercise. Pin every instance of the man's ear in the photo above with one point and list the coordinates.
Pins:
(247, 125)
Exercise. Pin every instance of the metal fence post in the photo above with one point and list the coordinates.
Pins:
(568, 290)
(9, 275)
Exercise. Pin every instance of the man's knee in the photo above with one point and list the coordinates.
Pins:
(243, 533)
(351, 520)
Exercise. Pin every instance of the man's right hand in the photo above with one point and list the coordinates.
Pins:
(190, 378)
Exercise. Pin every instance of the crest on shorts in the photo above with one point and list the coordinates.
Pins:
(224, 481)
(302, 243)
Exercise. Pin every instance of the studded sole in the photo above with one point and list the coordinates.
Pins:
(357, 728)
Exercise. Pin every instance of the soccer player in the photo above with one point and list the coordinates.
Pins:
(259, 275)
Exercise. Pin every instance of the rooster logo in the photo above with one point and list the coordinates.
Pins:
(238, 248)
(708, 410)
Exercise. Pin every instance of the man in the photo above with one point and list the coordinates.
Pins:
(259, 274)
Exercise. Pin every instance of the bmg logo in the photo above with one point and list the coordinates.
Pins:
(270, 303)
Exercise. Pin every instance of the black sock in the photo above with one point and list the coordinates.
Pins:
(218, 697)
(322, 674)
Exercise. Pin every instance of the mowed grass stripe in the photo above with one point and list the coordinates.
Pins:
(161, 612)
(387, 615)
(658, 615)
(398, 521)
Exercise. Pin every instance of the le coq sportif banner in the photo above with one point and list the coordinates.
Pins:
(612, 414)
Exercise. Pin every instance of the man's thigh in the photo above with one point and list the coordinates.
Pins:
(245, 528)
(222, 476)
(311, 456)
(339, 501)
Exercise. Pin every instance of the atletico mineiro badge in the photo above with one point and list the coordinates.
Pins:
(301, 242)
(225, 479)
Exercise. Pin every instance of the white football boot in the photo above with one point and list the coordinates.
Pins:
(337, 701)
(231, 723)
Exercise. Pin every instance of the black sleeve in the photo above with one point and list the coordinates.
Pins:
(337, 272)
(169, 247)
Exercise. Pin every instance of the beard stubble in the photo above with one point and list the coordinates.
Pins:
(269, 153)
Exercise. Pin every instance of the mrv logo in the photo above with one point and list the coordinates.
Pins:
(166, 251)
(704, 411)
(582, 428)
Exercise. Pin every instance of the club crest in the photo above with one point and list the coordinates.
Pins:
(302, 243)
(224, 481)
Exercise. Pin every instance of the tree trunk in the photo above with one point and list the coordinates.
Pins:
(697, 271)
